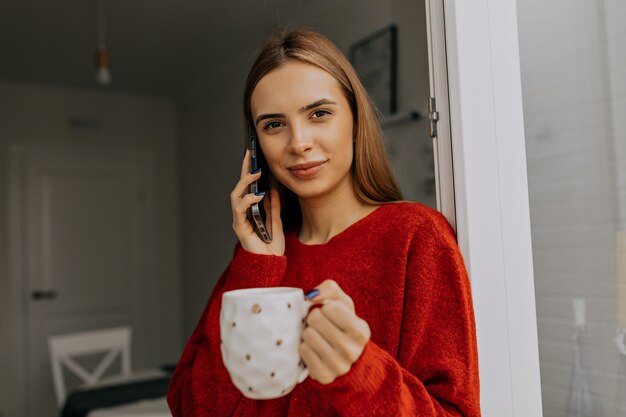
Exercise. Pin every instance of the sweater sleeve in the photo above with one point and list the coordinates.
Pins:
(199, 385)
(179, 392)
(435, 372)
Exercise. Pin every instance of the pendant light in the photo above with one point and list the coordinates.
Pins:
(103, 70)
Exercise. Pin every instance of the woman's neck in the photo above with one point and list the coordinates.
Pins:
(325, 217)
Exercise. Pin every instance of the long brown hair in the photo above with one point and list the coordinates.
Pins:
(372, 176)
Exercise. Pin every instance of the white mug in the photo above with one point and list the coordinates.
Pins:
(260, 332)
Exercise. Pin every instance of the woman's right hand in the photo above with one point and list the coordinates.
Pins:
(241, 199)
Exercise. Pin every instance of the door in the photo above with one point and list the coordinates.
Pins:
(83, 221)
(439, 110)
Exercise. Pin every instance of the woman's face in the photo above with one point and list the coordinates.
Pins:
(302, 116)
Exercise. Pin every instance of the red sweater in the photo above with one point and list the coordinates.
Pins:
(402, 267)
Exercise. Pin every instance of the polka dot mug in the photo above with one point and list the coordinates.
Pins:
(260, 332)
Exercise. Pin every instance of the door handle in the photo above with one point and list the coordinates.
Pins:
(39, 295)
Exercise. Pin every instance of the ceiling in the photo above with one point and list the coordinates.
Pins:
(156, 47)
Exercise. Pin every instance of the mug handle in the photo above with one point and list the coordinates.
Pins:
(306, 305)
(303, 375)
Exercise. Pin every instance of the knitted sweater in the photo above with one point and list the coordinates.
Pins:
(402, 267)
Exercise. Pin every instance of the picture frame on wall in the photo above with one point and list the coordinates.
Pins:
(375, 60)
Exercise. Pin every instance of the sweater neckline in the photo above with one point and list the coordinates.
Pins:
(356, 225)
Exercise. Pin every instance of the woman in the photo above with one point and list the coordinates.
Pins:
(396, 334)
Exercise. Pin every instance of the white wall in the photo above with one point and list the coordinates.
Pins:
(40, 115)
(211, 141)
(573, 73)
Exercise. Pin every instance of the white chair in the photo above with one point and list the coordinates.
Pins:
(63, 348)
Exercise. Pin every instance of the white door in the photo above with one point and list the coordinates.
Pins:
(439, 109)
(84, 222)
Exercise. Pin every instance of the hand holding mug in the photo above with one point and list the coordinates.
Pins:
(335, 337)
(267, 347)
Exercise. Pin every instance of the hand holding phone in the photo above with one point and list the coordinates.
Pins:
(241, 201)
(258, 213)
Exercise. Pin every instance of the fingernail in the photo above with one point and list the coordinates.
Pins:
(312, 294)
(260, 193)
(256, 170)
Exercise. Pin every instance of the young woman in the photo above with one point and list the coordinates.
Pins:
(396, 334)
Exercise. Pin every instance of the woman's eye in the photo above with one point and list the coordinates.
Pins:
(272, 125)
(320, 113)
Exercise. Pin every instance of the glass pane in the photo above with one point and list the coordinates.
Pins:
(573, 63)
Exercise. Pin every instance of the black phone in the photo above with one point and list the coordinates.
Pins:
(259, 214)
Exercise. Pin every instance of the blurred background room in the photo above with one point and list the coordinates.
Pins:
(121, 139)
(115, 180)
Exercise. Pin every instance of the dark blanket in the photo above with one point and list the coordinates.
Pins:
(80, 403)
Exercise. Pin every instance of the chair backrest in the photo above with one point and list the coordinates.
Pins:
(112, 342)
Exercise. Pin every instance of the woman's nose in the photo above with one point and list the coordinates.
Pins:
(301, 139)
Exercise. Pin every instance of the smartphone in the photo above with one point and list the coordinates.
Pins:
(259, 214)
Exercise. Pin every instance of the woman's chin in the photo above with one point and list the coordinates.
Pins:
(315, 188)
(310, 190)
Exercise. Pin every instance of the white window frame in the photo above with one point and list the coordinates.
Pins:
(491, 199)
(438, 80)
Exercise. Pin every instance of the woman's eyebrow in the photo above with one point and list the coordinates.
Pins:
(302, 110)
(316, 104)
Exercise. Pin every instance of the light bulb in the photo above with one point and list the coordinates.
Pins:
(103, 72)
(103, 76)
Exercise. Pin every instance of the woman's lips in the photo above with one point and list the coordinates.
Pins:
(309, 172)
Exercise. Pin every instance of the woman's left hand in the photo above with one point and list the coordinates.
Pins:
(335, 336)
